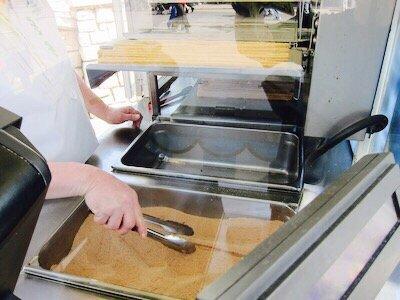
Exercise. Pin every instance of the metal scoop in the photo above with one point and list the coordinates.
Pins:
(172, 241)
(171, 230)
(169, 226)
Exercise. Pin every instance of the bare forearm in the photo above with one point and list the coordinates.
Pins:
(113, 203)
(92, 102)
(69, 179)
(116, 115)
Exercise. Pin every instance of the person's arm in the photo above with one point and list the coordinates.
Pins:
(113, 203)
(101, 110)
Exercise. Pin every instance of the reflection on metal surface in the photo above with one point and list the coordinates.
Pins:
(172, 241)
(215, 164)
(169, 226)
(170, 233)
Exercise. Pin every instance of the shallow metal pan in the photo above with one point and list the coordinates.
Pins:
(201, 204)
(228, 154)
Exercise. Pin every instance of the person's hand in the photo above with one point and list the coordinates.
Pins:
(118, 115)
(114, 204)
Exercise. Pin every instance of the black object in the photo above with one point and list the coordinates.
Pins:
(373, 124)
(315, 149)
(24, 178)
(253, 9)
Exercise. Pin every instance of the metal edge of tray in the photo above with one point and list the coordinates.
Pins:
(119, 166)
(238, 197)
(97, 71)
(91, 285)
(285, 198)
(34, 269)
(239, 183)
(229, 121)
(289, 198)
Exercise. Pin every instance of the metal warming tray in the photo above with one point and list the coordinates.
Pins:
(240, 156)
(194, 203)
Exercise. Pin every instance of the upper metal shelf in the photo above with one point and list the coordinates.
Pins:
(98, 73)
(198, 58)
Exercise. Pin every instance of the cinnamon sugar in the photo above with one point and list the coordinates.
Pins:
(147, 265)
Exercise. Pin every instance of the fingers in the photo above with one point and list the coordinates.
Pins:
(141, 227)
(114, 222)
(128, 222)
(101, 218)
(130, 117)
(136, 117)
(126, 113)
(137, 123)
(129, 110)
(115, 205)
(134, 114)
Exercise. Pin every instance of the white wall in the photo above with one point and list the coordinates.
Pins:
(85, 25)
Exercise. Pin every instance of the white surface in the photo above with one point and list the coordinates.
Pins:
(38, 82)
(350, 48)
(310, 192)
(388, 90)
(391, 289)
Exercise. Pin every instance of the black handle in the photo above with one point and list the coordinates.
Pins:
(373, 124)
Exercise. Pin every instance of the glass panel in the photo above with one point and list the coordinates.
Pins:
(246, 35)
(260, 43)
(268, 101)
(225, 230)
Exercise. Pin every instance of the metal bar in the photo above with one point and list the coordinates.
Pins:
(206, 72)
(168, 226)
(216, 164)
(166, 85)
(172, 241)
(242, 183)
(153, 93)
(119, 23)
